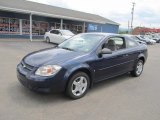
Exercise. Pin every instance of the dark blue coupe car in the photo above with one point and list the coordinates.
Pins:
(73, 66)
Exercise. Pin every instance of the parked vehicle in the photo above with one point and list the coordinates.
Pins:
(135, 38)
(144, 40)
(149, 39)
(80, 61)
(153, 36)
(156, 38)
(141, 39)
(57, 36)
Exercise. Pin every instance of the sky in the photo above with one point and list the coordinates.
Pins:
(146, 14)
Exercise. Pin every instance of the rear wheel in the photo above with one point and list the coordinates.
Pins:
(138, 68)
(78, 85)
(47, 40)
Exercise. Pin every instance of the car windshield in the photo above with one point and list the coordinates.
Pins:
(67, 32)
(81, 42)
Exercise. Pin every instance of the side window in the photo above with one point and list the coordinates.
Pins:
(115, 43)
(53, 31)
(57, 32)
(131, 43)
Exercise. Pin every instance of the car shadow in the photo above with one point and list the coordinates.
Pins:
(21, 95)
(54, 44)
(109, 82)
(24, 96)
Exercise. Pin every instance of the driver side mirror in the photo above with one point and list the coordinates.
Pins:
(106, 51)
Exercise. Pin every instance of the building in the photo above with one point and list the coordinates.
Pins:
(144, 30)
(26, 19)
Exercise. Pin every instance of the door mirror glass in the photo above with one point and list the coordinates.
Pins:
(106, 51)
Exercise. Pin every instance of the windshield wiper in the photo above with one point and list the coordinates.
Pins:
(67, 48)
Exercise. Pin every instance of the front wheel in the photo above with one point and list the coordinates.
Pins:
(47, 40)
(138, 68)
(78, 85)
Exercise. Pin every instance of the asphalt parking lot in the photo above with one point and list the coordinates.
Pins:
(120, 98)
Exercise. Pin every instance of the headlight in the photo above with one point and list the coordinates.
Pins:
(48, 70)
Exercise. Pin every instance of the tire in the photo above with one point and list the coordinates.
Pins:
(47, 40)
(78, 85)
(138, 68)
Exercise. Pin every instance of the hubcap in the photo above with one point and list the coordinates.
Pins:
(139, 68)
(79, 86)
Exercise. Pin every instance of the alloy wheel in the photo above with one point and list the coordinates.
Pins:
(139, 68)
(79, 86)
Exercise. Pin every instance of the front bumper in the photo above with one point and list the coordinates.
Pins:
(39, 83)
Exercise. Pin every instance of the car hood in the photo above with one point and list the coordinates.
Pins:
(51, 56)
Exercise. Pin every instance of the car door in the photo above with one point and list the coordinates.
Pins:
(114, 64)
(55, 36)
(52, 36)
(60, 36)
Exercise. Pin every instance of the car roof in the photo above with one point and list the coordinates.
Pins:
(101, 33)
(128, 35)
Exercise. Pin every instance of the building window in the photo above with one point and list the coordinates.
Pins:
(14, 26)
(38, 28)
(57, 25)
(25, 26)
(9, 26)
(43, 27)
(52, 25)
(76, 28)
(4, 25)
(92, 27)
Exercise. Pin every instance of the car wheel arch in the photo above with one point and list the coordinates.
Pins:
(47, 37)
(141, 57)
(83, 69)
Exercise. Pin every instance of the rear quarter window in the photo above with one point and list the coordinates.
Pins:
(131, 44)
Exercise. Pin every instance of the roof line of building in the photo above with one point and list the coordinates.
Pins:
(48, 15)
(35, 8)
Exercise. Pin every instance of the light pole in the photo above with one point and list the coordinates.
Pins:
(132, 13)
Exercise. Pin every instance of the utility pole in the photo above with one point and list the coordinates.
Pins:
(128, 26)
(132, 13)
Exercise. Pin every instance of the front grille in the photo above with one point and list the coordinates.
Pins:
(26, 66)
